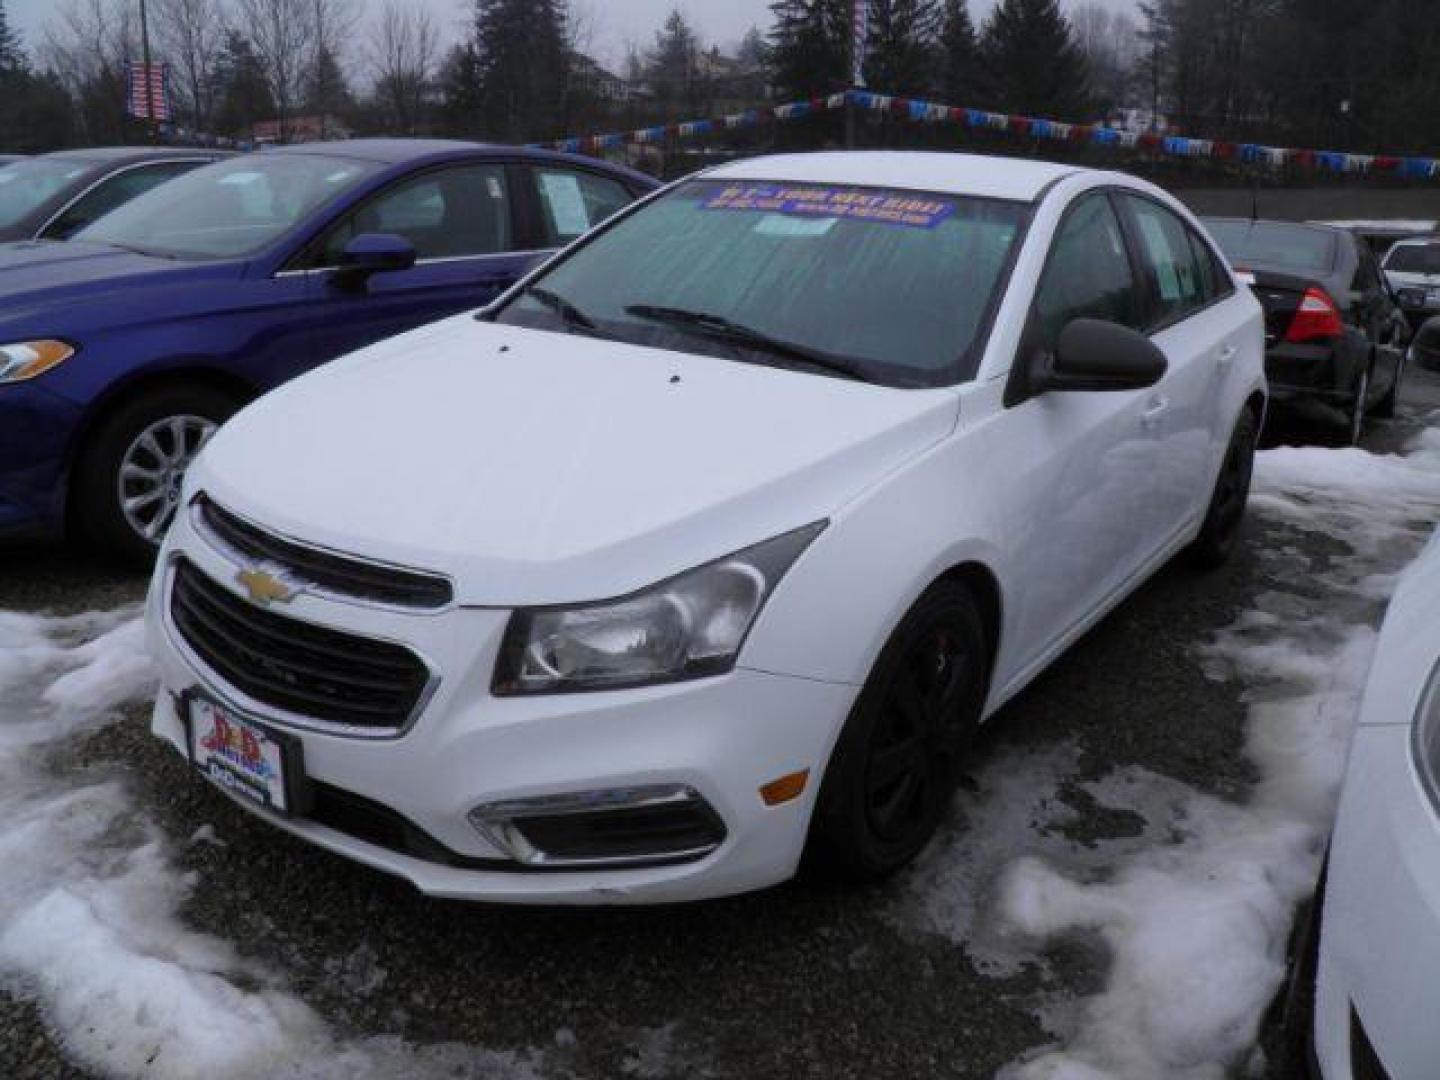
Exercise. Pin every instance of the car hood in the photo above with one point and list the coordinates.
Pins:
(38, 276)
(542, 468)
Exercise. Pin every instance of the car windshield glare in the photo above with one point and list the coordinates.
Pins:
(25, 185)
(1275, 245)
(894, 287)
(229, 209)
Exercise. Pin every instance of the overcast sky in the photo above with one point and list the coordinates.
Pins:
(616, 21)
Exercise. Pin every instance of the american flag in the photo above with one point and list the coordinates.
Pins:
(859, 33)
(146, 84)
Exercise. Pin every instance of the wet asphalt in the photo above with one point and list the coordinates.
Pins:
(799, 981)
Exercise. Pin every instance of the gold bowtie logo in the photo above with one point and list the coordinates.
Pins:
(265, 588)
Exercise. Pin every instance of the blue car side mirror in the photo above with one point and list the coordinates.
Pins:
(373, 253)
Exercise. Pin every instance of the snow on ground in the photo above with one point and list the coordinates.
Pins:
(1197, 924)
(89, 897)
(1195, 906)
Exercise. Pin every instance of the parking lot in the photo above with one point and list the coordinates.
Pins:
(1143, 789)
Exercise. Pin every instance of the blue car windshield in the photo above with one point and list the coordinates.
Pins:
(25, 185)
(893, 287)
(229, 209)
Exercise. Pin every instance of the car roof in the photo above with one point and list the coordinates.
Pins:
(99, 155)
(1304, 226)
(908, 170)
(385, 151)
(399, 151)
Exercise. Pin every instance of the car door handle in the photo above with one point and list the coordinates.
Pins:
(1150, 418)
(1228, 354)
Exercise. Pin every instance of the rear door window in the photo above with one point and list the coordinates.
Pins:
(572, 202)
(1178, 276)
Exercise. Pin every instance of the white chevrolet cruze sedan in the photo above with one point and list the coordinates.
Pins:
(710, 544)
(1379, 924)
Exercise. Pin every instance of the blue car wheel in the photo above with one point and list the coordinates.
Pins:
(127, 482)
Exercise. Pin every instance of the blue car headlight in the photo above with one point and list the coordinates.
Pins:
(27, 359)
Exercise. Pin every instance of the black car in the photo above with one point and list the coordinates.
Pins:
(51, 196)
(1334, 330)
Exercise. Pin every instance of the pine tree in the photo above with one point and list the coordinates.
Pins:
(959, 76)
(12, 55)
(672, 66)
(327, 94)
(809, 47)
(903, 38)
(244, 92)
(1031, 62)
(522, 62)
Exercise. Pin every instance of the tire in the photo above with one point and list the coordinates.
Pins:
(1220, 532)
(1385, 409)
(155, 468)
(915, 716)
(1296, 1000)
(1357, 408)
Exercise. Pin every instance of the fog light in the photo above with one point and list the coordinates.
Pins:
(658, 823)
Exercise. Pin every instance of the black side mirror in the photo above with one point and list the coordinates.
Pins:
(373, 253)
(1096, 355)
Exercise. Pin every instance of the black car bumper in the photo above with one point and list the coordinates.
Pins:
(1325, 371)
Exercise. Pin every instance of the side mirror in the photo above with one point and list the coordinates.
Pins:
(1096, 355)
(373, 253)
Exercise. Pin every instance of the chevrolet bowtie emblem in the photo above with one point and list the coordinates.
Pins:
(265, 588)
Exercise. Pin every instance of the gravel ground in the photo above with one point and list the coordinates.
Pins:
(797, 981)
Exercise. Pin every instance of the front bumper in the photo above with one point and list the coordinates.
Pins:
(1380, 936)
(36, 429)
(723, 738)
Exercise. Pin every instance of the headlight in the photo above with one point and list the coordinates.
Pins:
(26, 359)
(684, 628)
(1427, 738)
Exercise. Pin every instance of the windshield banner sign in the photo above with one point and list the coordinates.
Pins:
(884, 208)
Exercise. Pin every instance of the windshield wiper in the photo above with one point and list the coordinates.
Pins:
(571, 315)
(723, 329)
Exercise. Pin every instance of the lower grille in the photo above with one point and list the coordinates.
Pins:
(311, 671)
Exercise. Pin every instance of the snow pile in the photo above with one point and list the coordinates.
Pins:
(1196, 909)
(89, 898)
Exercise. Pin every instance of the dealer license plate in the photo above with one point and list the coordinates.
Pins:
(239, 755)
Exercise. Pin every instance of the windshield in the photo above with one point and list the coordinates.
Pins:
(1248, 244)
(26, 185)
(228, 209)
(1414, 259)
(889, 286)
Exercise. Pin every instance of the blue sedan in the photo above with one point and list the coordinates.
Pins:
(122, 350)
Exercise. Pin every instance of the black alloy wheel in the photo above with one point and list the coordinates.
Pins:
(894, 769)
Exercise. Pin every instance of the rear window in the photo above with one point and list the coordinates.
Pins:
(1275, 245)
(1414, 259)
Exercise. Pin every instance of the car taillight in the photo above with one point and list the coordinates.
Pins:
(1316, 318)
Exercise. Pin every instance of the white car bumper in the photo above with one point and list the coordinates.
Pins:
(1380, 927)
(723, 737)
